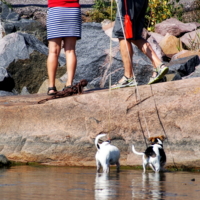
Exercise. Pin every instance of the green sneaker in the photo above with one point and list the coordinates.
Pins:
(161, 71)
(125, 82)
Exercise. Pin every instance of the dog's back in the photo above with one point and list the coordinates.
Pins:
(154, 155)
(107, 154)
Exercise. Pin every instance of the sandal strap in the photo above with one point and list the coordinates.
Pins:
(69, 86)
(155, 70)
(52, 88)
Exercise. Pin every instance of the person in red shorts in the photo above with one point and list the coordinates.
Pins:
(136, 9)
(63, 24)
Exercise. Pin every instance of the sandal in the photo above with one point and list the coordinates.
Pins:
(52, 88)
(69, 86)
(161, 70)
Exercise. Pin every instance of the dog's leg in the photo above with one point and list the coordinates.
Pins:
(98, 166)
(157, 167)
(145, 161)
(105, 168)
(118, 166)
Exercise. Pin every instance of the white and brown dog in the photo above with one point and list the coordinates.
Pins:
(154, 155)
(107, 154)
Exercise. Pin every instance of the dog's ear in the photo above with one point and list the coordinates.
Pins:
(152, 139)
(162, 137)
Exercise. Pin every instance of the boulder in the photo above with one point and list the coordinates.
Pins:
(195, 74)
(156, 36)
(185, 53)
(24, 57)
(6, 81)
(191, 40)
(62, 131)
(170, 45)
(156, 47)
(2, 31)
(174, 27)
(4, 93)
(59, 85)
(13, 22)
(4, 161)
(93, 59)
(31, 72)
(183, 67)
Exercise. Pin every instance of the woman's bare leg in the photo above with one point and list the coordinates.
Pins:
(69, 47)
(52, 60)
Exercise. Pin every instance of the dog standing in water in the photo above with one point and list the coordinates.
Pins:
(107, 154)
(154, 155)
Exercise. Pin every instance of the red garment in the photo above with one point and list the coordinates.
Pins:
(63, 3)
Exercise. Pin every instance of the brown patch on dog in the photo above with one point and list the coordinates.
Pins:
(161, 137)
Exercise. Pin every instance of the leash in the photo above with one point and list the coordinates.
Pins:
(110, 96)
(170, 151)
(136, 87)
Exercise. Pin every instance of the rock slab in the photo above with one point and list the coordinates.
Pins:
(62, 131)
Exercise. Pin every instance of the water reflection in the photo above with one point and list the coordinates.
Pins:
(70, 183)
(106, 186)
(152, 186)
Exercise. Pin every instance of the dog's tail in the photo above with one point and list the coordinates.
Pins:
(97, 139)
(138, 153)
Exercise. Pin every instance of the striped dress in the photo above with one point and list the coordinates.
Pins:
(63, 22)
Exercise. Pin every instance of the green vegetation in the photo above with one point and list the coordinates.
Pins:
(103, 9)
(158, 10)
(194, 43)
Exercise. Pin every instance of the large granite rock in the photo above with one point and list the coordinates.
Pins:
(62, 131)
(174, 27)
(24, 57)
(13, 22)
(191, 40)
(94, 64)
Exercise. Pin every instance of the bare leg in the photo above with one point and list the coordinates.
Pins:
(127, 55)
(52, 60)
(69, 47)
(146, 48)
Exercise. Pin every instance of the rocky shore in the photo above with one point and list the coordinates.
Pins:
(62, 131)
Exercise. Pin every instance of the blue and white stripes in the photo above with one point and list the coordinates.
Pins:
(63, 22)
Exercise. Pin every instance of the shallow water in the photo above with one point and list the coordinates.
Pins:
(31, 183)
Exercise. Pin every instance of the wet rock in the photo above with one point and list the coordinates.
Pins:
(174, 27)
(4, 161)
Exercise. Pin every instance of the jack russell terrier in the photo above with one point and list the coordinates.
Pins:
(107, 154)
(154, 155)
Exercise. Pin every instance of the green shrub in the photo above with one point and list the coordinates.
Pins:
(102, 10)
(159, 10)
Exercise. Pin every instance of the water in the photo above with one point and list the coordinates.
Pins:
(50, 183)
